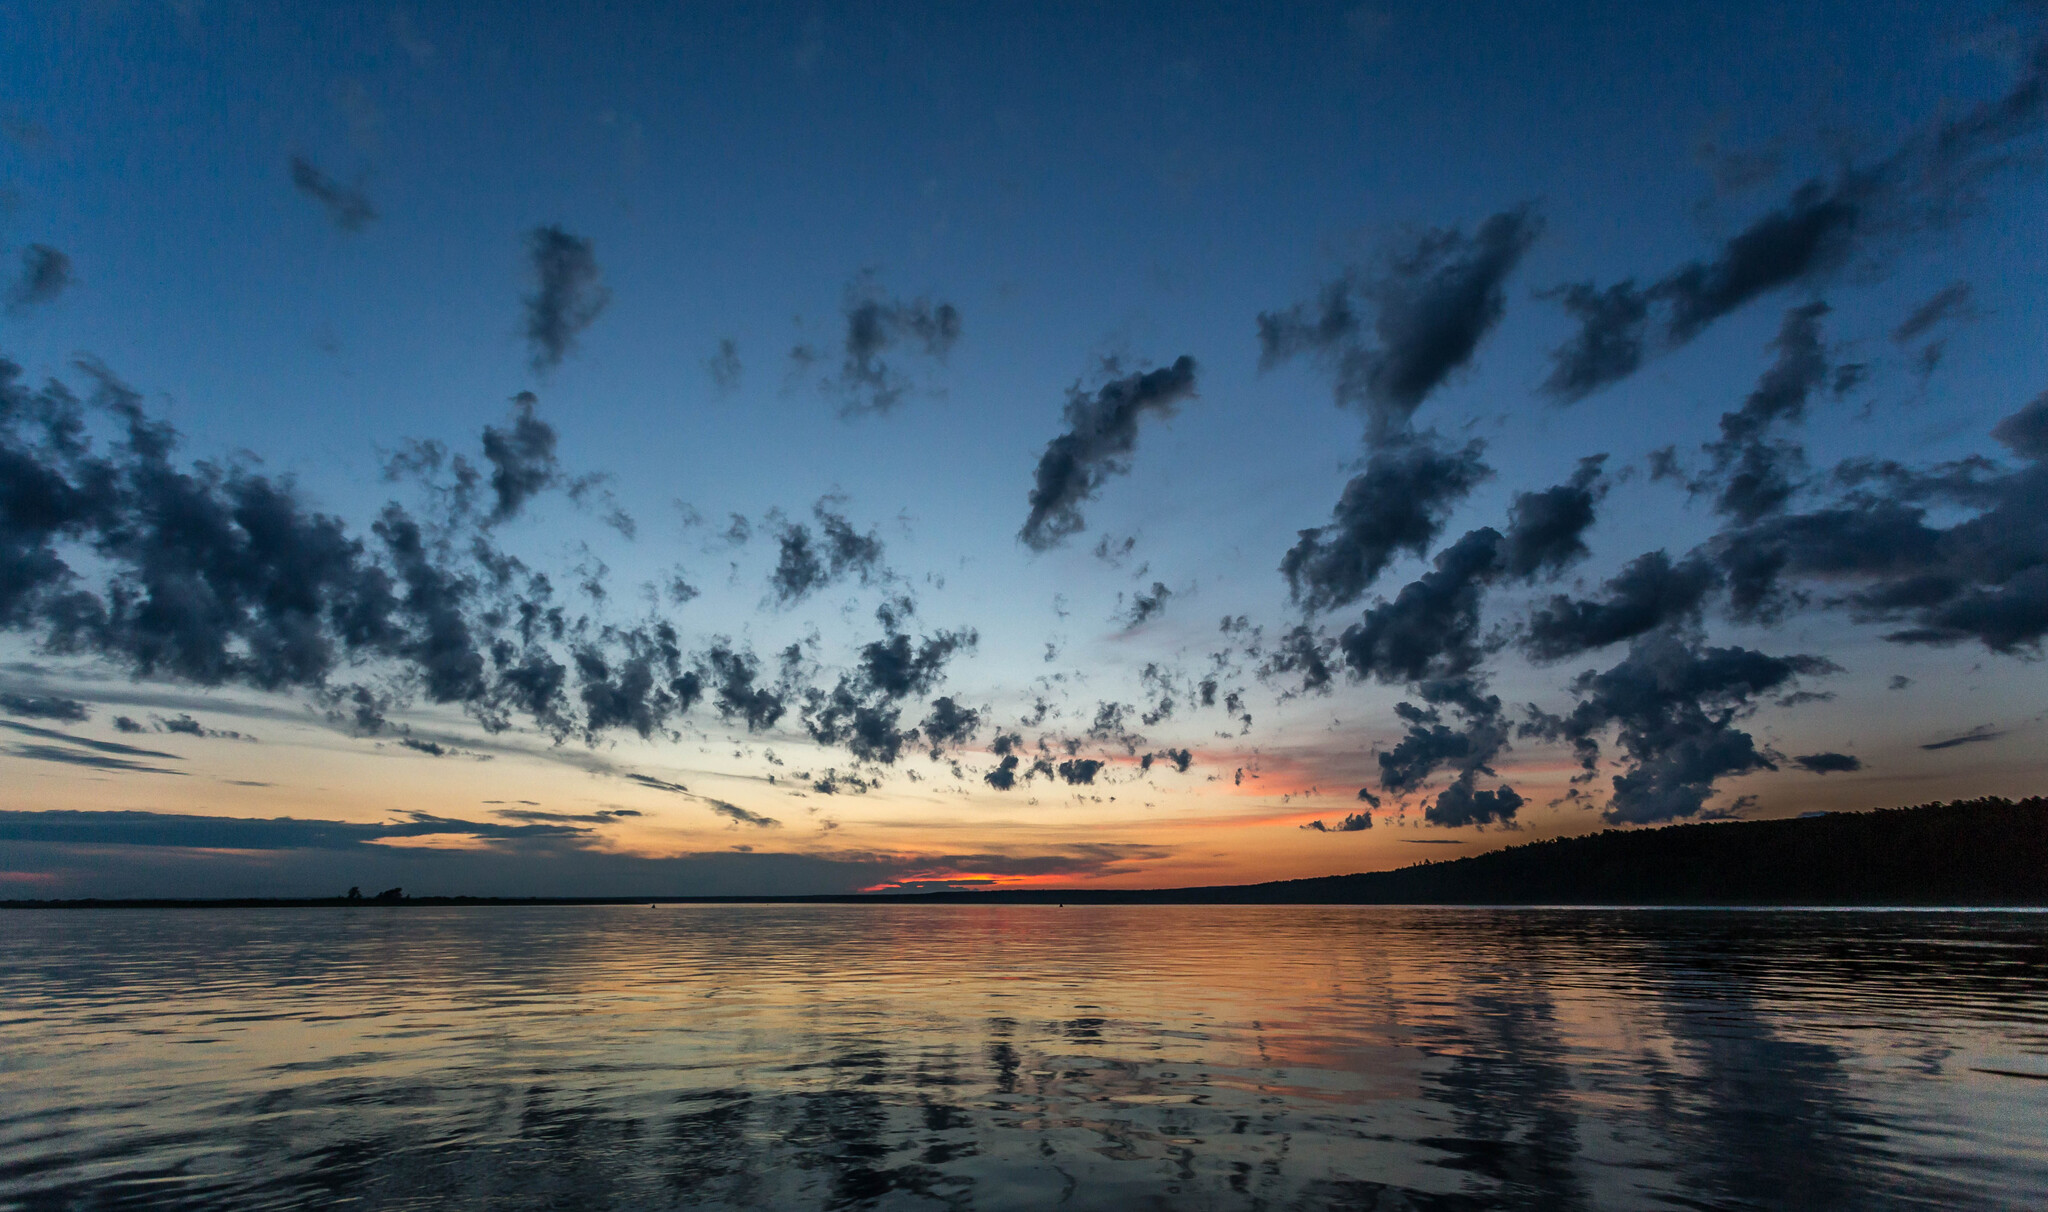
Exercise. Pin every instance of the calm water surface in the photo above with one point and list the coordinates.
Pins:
(1022, 1057)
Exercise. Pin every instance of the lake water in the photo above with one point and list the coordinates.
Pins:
(872, 1056)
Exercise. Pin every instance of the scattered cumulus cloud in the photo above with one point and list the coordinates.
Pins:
(1100, 438)
(45, 273)
(568, 296)
(347, 207)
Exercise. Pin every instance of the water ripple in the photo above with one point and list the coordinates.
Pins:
(879, 1056)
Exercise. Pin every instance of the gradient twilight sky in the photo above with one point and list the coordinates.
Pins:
(1189, 422)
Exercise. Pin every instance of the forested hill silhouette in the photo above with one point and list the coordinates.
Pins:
(1971, 852)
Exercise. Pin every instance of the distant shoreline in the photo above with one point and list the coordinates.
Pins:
(1975, 854)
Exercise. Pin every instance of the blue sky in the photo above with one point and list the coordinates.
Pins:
(1090, 194)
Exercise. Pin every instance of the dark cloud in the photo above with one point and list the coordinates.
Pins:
(1673, 704)
(949, 724)
(1977, 735)
(731, 812)
(1877, 539)
(1951, 302)
(1145, 607)
(1111, 724)
(1457, 726)
(1609, 344)
(1818, 229)
(1301, 653)
(866, 725)
(1461, 804)
(184, 725)
(734, 676)
(1663, 464)
(740, 816)
(218, 575)
(1928, 360)
(440, 643)
(1649, 592)
(896, 667)
(1800, 369)
(430, 748)
(1430, 630)
(1755, 474)
(1115, 552)
(2025, 432)
(1430, 744)
(45, 272)
(348, 207)
(1828, 763)
(635, 678)
(210, 576)
(1004, 776)
(603, 816)
(123, 723)
(862, 712)
(109, 747)
(808, 562)
(876, 324)
(1812, 233)
(451, 479)
(1984, 578)
(724, 367)
(243, 833)
(1102, 434)
(73, 757)
(1080, 771)
(847, 551)
(798, 569)
(1352, 823)
(43, 707)
(522, 458)
(1162, 683)
(1546, 530)
(1428, 637)
(1432, 298)
(1757, 479)
(1398, 504)
(2009, 618)
(832, 782)
(568, 296)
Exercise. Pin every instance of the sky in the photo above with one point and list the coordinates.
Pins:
(506, 450)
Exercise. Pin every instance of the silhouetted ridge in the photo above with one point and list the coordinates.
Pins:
(1972, 852)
